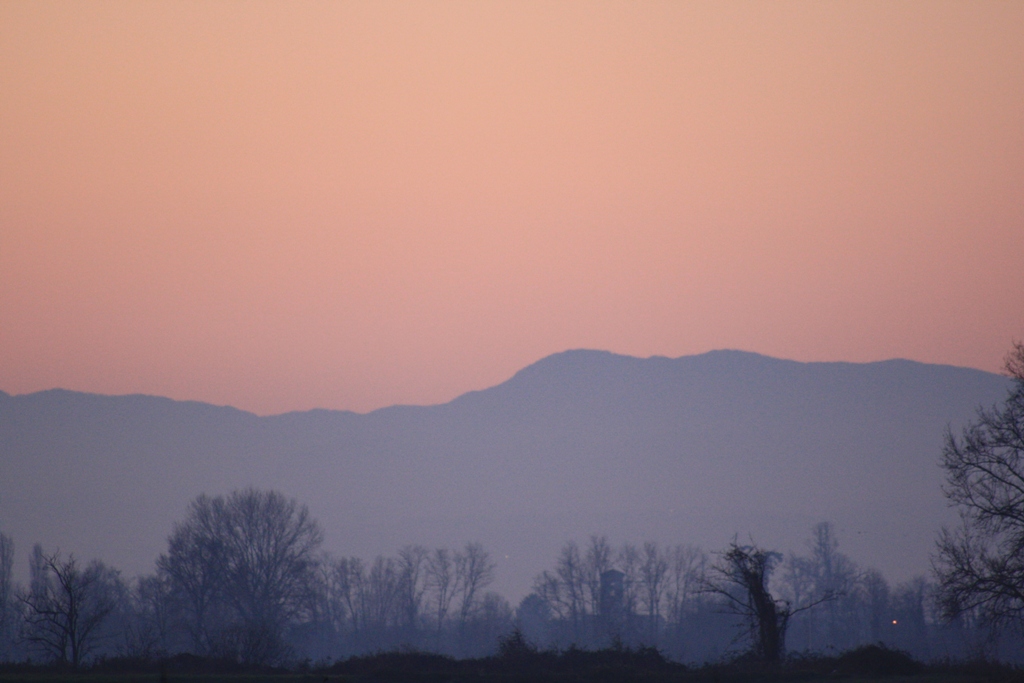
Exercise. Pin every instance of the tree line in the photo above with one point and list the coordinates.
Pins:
(244, 578)
(699, 606)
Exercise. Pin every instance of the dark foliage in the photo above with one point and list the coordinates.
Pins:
(877, 661)
(515, 649)
(398, 666)
(517, 661)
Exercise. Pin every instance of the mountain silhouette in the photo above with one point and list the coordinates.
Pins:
(694, 449)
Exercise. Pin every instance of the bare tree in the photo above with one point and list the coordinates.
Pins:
(335, 600)
(492, 620)
(149, 632)
(7, 612)
(65, 607)
(475, 571)
(980, 565)
(548, 589)
(741, 578)
(412, 561)
(834, 576)
(195, 569)
(876, 593)
(628, 562)
(908, 603)
(1013, 364)
(347, 579)
(380, 593)
(253, 552)
(653, 568)
(442, 583)
(687, 567)
(798, 583)
(6, 569)
(571, 579)
(597, 561)
(271, 545)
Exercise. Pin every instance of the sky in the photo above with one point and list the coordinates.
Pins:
(282, 206)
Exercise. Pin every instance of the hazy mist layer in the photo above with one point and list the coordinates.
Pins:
(690, 450)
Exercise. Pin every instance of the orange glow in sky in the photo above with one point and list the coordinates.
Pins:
(287, 205)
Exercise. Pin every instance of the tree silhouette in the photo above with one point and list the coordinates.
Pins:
(980, 565)
(65, 607)
(251, 556)
(741, 578)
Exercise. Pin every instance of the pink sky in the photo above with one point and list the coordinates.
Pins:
(282, 206)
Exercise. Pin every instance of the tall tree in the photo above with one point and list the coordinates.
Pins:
(65, 607)
(571, 579)
(687, 568)
(980, 565)
(653, 569)
(7, 612)
(876, 593)
(441, 581)
(412, 562)
(597, 561)
(475, 572)
(628, 562)
(347, 579)
(741, 578)
(150, 629)
(834, 576)
(194, 567)
(381, 589)
(253, 552)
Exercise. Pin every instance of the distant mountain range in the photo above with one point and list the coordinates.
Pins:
(679, 450)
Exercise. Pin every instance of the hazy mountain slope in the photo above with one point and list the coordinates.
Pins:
(693, 449)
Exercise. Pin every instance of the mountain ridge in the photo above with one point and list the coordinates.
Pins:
(522, 373)
(688, 449)
(517, 374)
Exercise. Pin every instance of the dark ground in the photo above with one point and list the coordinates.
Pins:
(518, 662)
